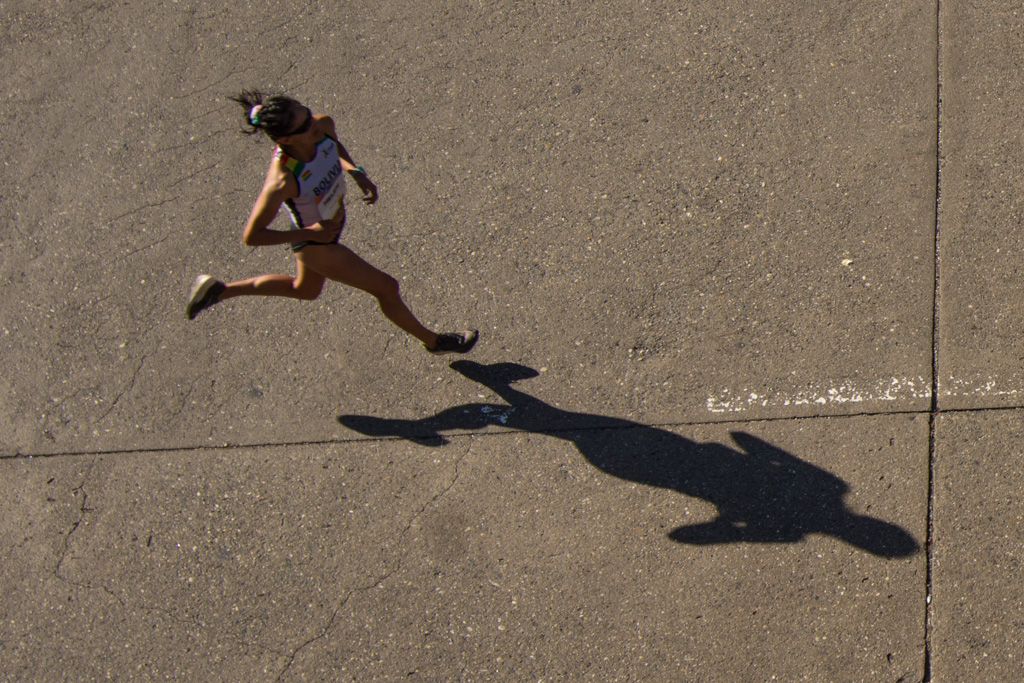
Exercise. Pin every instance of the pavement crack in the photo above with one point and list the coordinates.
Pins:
(455, 478)
(82, 510)
(147, 247)
(210, 86)
(384, 576)
(184, 398)
(79, 492)
(192, 143)
(190, 176)
(430, 503)
(319, 636)
(139, 209)
(125, 391)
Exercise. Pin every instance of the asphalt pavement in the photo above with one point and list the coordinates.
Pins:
(747, 404)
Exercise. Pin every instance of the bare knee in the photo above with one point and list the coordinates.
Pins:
(386, 289)
(307, 291)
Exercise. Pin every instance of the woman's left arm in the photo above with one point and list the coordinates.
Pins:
(347, 164)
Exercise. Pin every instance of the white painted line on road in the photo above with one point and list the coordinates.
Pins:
(893, 389)
(885, 390)
(988, 389)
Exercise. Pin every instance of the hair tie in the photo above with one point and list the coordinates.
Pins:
(254, 114)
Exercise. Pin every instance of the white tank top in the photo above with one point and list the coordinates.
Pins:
(321, 184)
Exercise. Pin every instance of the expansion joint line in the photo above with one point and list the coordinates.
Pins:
(931, 412)
(936, 357)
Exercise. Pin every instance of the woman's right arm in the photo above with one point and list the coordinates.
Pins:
(278, 188)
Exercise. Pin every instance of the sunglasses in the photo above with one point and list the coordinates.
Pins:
(306, 124)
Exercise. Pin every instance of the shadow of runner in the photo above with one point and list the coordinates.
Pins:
(762, 493)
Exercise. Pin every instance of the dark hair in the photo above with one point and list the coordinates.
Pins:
(275, 115)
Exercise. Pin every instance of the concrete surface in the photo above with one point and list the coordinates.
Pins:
(502, 557)
(976, 575)
(746, 282)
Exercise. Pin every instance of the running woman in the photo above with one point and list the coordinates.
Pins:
(307, 177)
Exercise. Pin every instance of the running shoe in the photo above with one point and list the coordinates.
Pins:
(454, 342)
(203, 295)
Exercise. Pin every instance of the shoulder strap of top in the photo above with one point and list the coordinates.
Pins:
(291, 163)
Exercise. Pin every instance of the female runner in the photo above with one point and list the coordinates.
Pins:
(307, 176)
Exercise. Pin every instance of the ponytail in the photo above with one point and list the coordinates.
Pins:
(272, 114)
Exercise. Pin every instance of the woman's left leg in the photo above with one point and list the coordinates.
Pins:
(208, 290)
(306, 284)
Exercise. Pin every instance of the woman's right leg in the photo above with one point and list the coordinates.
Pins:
(317, 262)
(341, 264)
